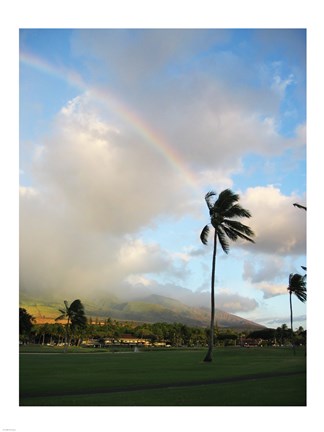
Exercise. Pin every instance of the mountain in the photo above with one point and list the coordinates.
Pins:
(153, 308)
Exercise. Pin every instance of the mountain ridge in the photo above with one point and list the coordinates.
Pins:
(152, 308)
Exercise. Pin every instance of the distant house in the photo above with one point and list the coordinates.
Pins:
(94, 343)
(125, 339)
(160, 344)
(128, 339)
(249, 342)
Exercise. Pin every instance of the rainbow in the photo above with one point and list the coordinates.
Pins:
(125, 112)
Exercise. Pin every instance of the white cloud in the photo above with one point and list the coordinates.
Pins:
(271, 290)
(264, 268)
(235, 303)
(28, 192)
(138, 257)
(279, 228)
(213, 125)
(277, 321)
(216, 178)
(225, 299)
(94, 189)
(105, 180)
(280, 85)
(57, 257)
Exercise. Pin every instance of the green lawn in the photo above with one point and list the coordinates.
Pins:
(236, 377)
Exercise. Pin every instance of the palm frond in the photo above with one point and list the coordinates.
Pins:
(296, 280)
(76, 306)
(226, 200)
(209, 201)
(222, 239)
(204, 235)
(241, 230)
(301, 295)
(237, 211)
(231, 234)
(297, 286)
(300, 206)
(60, 317)
(79, 321)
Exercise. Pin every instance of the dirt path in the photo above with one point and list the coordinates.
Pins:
(251, 377)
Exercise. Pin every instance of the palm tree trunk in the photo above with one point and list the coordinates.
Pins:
(291, 323)
(209, 357)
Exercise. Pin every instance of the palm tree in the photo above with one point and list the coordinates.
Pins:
(75, 316)
(297, 286)
(26, 322)
(222, 213)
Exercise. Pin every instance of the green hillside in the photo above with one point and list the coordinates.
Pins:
(154, 308)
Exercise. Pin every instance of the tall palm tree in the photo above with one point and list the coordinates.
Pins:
(297, 286)
(75, 316)
(223, 213)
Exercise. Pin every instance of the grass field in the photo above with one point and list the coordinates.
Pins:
(236, 377)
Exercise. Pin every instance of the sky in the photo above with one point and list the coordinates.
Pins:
(122, 133)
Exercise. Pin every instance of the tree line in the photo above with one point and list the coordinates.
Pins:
(173, 334)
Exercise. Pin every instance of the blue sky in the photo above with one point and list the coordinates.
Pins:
(122, 132)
